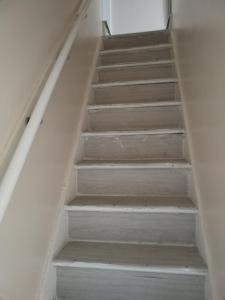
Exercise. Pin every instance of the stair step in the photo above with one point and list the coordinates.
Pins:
(112, 271)
(135, 49)
(132, 257)
(135, 118)
(137, 93)
(161, 220)
(133, 179)
(133, 145)
(124, 285)
(135, 82)
(133, 105)
(130, 164)
(136, 72)
(135, 54)
(134, 64)
(117, 285)
(134, 132)
(136, 40)
(179, 205)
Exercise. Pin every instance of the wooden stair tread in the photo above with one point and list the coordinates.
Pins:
(152, 258)
(154, 163)
(135, 132)
(135, 49)
(136, 39)
(132, 203)
(92, 107)
(135, 64)
(135, 82)
(136, 34)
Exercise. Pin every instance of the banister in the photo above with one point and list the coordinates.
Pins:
(169, 12)
(106, 25)
(17, 162)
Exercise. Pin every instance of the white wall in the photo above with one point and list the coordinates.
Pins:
(31, 32)
(199, 30)
(28, 228)
(129, 16)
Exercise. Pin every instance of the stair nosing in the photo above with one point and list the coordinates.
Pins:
(130, 207)
(132, 165)
(135, 64)
(129, 265)
(131, 49)
(158, 210)
(133, 132)
(135, 82)
(133, 34)
(119, 267)
(167, 244)
(134, 105)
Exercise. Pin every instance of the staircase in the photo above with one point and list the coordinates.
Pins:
(132, 225)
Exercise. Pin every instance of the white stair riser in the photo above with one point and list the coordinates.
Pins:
(154, 182)
(136, 73)
(135, 56)
(136, 93)
(137, 118)
(86, 284)
(132, 227)
(136, 41)
(133, 147)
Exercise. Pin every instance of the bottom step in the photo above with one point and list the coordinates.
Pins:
(94, 284)
(110, 271)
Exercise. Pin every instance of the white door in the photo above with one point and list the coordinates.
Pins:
(127, 16)
(106, 12)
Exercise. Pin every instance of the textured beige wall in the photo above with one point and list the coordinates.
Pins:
(199, 28)
(30, 34)
(30, 221)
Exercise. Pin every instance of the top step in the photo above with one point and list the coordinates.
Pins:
(136, 40)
